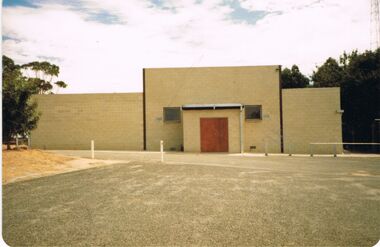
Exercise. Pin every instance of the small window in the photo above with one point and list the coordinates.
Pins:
(252, 111)
(172, 114)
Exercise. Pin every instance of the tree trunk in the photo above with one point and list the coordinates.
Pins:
(8, 146)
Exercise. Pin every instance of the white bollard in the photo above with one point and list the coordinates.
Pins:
(92, 149)
(311, 150)
(335, 150)
(266, 147)
(162, 150)
(29, 143)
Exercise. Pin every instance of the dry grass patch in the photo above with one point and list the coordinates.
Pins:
(21, 164)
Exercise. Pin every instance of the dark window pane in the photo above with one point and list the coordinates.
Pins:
(172, 114)
(252, 111)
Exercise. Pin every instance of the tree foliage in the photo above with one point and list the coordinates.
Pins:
(19, 112)
(358, 75)
(330, 74)
(293, 78)
(42, 76)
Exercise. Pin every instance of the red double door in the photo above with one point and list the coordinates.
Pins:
(214, 134)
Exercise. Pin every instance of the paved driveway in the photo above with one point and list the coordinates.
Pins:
(200, 200)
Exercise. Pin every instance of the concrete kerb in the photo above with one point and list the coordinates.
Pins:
(256, 155)
(238, 154)
(305, 155)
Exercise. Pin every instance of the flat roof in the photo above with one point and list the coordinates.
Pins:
(216, 67)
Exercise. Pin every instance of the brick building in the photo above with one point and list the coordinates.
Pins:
(210, 109)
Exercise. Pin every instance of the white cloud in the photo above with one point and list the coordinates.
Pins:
(276, 5)
(97, 57)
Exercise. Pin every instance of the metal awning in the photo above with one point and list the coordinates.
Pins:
(211, 106)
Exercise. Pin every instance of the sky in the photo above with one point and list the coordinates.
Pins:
(103, 45)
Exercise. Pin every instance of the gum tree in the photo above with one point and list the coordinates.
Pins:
(42, 75)
(20, 114)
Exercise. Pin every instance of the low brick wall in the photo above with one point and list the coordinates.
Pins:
(71, 121)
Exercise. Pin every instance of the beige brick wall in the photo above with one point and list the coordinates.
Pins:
(115, 121)
(191, 128)
(310, 115)
(173, 87)
(71, 121)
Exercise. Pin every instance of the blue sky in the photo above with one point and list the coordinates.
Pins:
(102, 46)
(238, 13)
(26, 3)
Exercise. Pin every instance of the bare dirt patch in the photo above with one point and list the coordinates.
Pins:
(25, 164)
